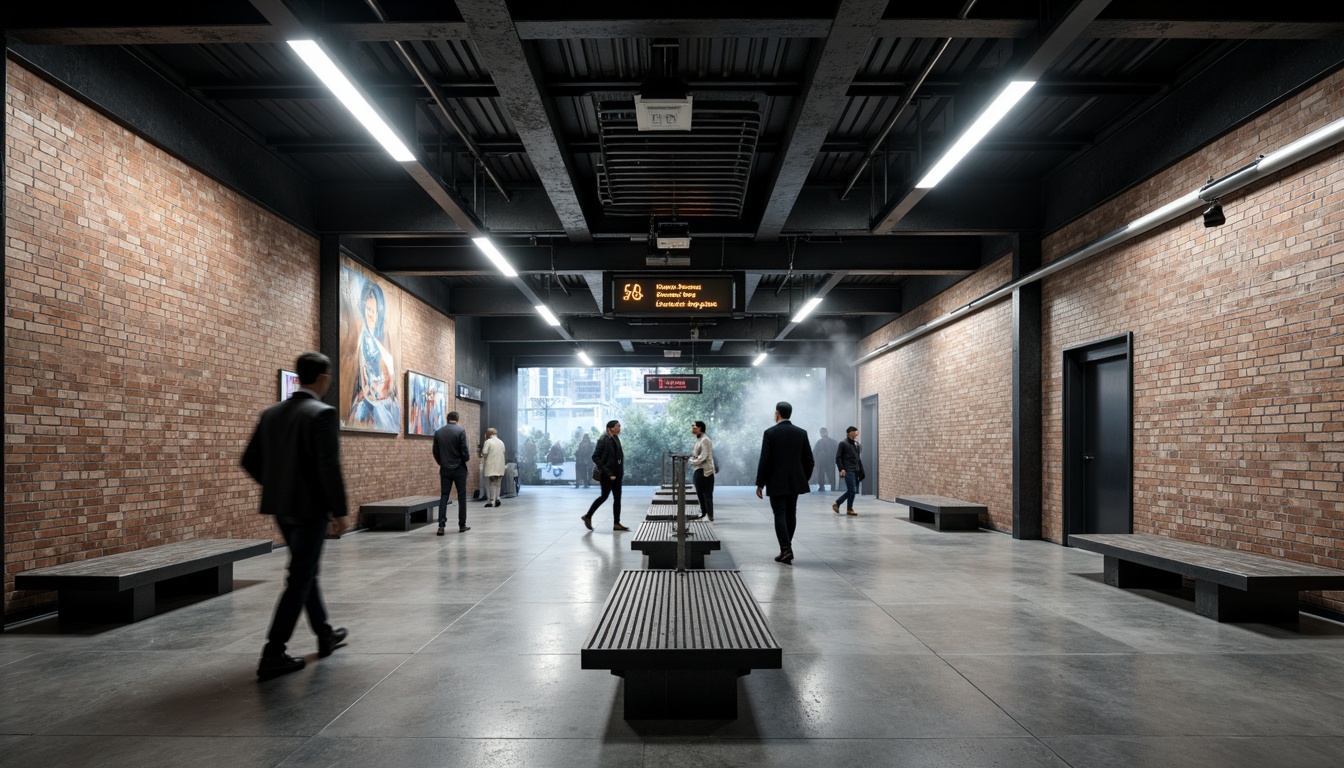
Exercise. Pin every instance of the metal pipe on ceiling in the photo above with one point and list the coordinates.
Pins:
(1265, 165)
(441, 100)
(909, 97)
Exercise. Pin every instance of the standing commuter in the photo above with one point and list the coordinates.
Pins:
(492, 464)
(583, 463)
(451, 452)
(849, 461)
(702, 458)
(295, 455)
(609, 461)
(823, 455)
(783, 471)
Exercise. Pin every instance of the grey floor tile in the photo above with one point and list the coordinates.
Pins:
(838, 628)
(1201, 751)
(142, 751)
(329, 752)
(906, 753)
(1020, 628)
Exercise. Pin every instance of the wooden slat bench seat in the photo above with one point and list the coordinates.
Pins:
(945, 514)
(681, 640)
(657, 539)
(122, 587)
(1229, 585)
(398, 514)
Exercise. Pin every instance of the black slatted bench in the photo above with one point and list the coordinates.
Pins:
(658, 540)
(945, 514)
(122, 587)
(1229, 585)
(398, 514)
(680, 641)
(667, 510)
(667, 497)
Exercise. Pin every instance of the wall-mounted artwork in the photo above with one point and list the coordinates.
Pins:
(426, 404)
(289, 383)
(370, 347)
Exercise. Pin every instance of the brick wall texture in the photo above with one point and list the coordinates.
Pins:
(1238, 357)
(147, 310)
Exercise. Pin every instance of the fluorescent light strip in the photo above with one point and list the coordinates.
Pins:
(489, 249)
(583, 356)
(1002, 104)
(547, 315)
(760, 358)
(335, 80)
(811, 304)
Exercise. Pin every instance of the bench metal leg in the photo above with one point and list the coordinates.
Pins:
(666, 560)
(694, 694)
(921, 516)
(1222, 603)
(947, 522)
(211, 581)
(1122, 573)
(83, 606)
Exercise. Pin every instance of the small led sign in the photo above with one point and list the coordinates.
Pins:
(672, 295)
(684, 384)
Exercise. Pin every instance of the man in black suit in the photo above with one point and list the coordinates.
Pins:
(295, 455)
(784, 469)
(451, 453)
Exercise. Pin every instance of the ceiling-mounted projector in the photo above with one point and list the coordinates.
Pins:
(663, 114)
(673, 236)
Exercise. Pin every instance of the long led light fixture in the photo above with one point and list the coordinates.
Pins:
(585, 359)
(1002, 104)
(491, 252)
(807, 308)
(547, 315)
(335, 80)
(760, 358)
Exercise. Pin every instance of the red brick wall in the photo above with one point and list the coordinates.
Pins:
(147, 310)
(1238, 346)
(945, 415)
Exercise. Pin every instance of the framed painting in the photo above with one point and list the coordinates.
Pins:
(370, 400)
(289, 383)
(426, 404)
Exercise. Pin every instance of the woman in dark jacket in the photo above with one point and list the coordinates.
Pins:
(849, 461)
(609, 460)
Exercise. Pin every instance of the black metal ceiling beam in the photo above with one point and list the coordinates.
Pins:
(832, 69)
(219, 34)
(1067, 29)
(516, 74)
(503, 301)
(506, 329)
(913, 255)
(821, 292)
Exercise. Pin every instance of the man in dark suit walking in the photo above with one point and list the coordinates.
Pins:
(451, 452)
(784, 470)
(295, 455)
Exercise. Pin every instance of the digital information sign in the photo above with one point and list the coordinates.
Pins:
(685, 384)
(672, 295)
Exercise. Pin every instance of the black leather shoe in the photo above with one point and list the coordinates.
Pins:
(440, 533)
(787, 557)
(780, 556)
(274, 666)
(464, 529)
(327, 645)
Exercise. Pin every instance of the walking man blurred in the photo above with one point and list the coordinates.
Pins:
(783, 471)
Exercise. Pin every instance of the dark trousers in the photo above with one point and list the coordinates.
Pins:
(704, 488)
(785, 508)
(851, 479)
(610, 488)
(301, 592)
(446, 482)
(583, 475)
(825, 475)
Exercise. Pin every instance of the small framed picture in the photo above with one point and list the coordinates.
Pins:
(289, 383)
(427, 399)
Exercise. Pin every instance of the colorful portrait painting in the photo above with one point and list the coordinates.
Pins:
(370, 346)
(426, 404)
(289, 383)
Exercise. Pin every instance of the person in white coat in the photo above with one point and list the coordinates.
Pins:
(702, 458)
(492, 461)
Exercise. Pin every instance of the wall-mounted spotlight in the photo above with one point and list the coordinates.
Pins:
(1213, 215)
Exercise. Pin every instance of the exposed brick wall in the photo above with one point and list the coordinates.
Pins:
(1238, 346)
(944, 414)
(147, 310)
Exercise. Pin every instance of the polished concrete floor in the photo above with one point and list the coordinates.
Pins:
(902, 647)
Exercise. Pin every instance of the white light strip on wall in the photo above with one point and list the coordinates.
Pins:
(336, 81)
(547, 315)
(1001, 106)
(489, 249)
(811, 304)
(583, 356)
(760, 358)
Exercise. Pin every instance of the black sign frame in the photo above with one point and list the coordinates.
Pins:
(654, 383)
(726, 290)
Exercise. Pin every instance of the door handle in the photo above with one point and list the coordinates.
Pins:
(1087, 458)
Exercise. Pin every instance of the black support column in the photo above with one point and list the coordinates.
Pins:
(1027, 456)
(329, 313)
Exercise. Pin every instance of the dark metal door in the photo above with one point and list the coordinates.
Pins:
(1106, 459)
(868, 439)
